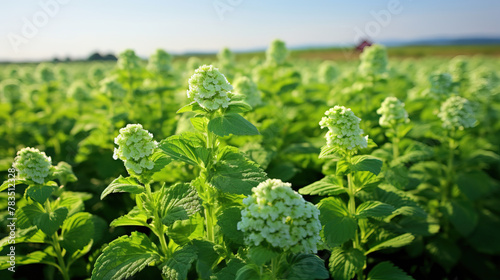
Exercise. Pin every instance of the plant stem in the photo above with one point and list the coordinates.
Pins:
(395, 144)
(60, 259)
(351, 206)
(158, 224)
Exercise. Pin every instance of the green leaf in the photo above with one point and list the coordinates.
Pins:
(307, 266)
(463, 216)
(231, 124)
(206, 258)
(229, 272)
(135, 217)
(345, 263)
(181, 230)
(329, 185)
(64, 173)
(228, 221)
(187, 147)
(484, 238)
(124, 257)
(14, 182)
(248, 272)
(283, 171)
(238, 107)
(199, 122)
(261, 255)
(49, 223)
(40, 193)
(375, 209)
(445, 252)
(387, 271)
(160, 160)
(342, 167)
(37, 257)
(177, 266)
(363, 179)
(177, 202)
(396, 242)
(475, 184)
(74, 201)
(122, 184)
(366, 163)
(330, 152)
(338, 227)
(236, 174)
(192, 107)
(77, 232)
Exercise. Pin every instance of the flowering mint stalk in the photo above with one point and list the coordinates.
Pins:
(441, 86)
(209, 88)
(33, 165)
(277, 53)
(374, 61)
(247, 90)
(160, 63)
(343, 130)
(135, 146)
(278, 216)
(393, 114)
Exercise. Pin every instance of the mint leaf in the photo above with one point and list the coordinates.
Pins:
(77, 232)
(124, 257)
(231, 124)
(177, 202)
(345, 263)
(329, 185)
(177, 267)
(122, 184)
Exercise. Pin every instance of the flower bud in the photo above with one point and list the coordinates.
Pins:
(245, 87)
(457, 113)
(135, 146)
(160, 62)
(277, 53)
(393, 112)
(373, 61)
(33, 164)
(344, 131)
(209, 88)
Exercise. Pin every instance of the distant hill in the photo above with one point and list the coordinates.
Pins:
(443, 41)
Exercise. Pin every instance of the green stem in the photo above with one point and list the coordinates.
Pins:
(395, 144)
(158, 224)
(60, 259)
(351, 206)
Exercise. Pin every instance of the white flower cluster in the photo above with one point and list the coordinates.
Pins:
(112, 88)
(374, 60)
(441, 85)
(11, 90)
(344, 131)
(193, 63)
(245, 87)
(135, 145)
(79, 91)
(277, 53)
(160, 62)
(33, 164)
(392, 112)
(457, 113)
(209, 88)
(279, 216)
(459, 68)
(226, 58)
(128, 60)
(44, 73)
(328, 72)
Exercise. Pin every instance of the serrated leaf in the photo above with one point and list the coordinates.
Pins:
(307, 266)
(329, 185)
(463, 216)
(64, 173)
(338, 227)
(177, 267)
(77, 232)
(388, 271)
(13, 182)
(229, 272)
(374, 209)
(192, 107)
(37, 257)
(160, 160)
(74, 201)
(236, 174)
(124, 257)
(363, 179)
(238, 107)
(231, 124)
(206, 258)
(49, 223)
(228, 221)
(366, 163)
(261, 255)
(181, 230)
(329, 152)
(186, 147)
(345, 263)
(342, 167)
(248, 272)
(177, 202)
(199, 122)
(122, 184)
(396, 242)
(135, 217)
(40, 193)
(444, 252)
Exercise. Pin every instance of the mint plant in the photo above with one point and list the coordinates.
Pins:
(355, 228)
(49, 215)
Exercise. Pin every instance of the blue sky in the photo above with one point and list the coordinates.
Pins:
(43, 29)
